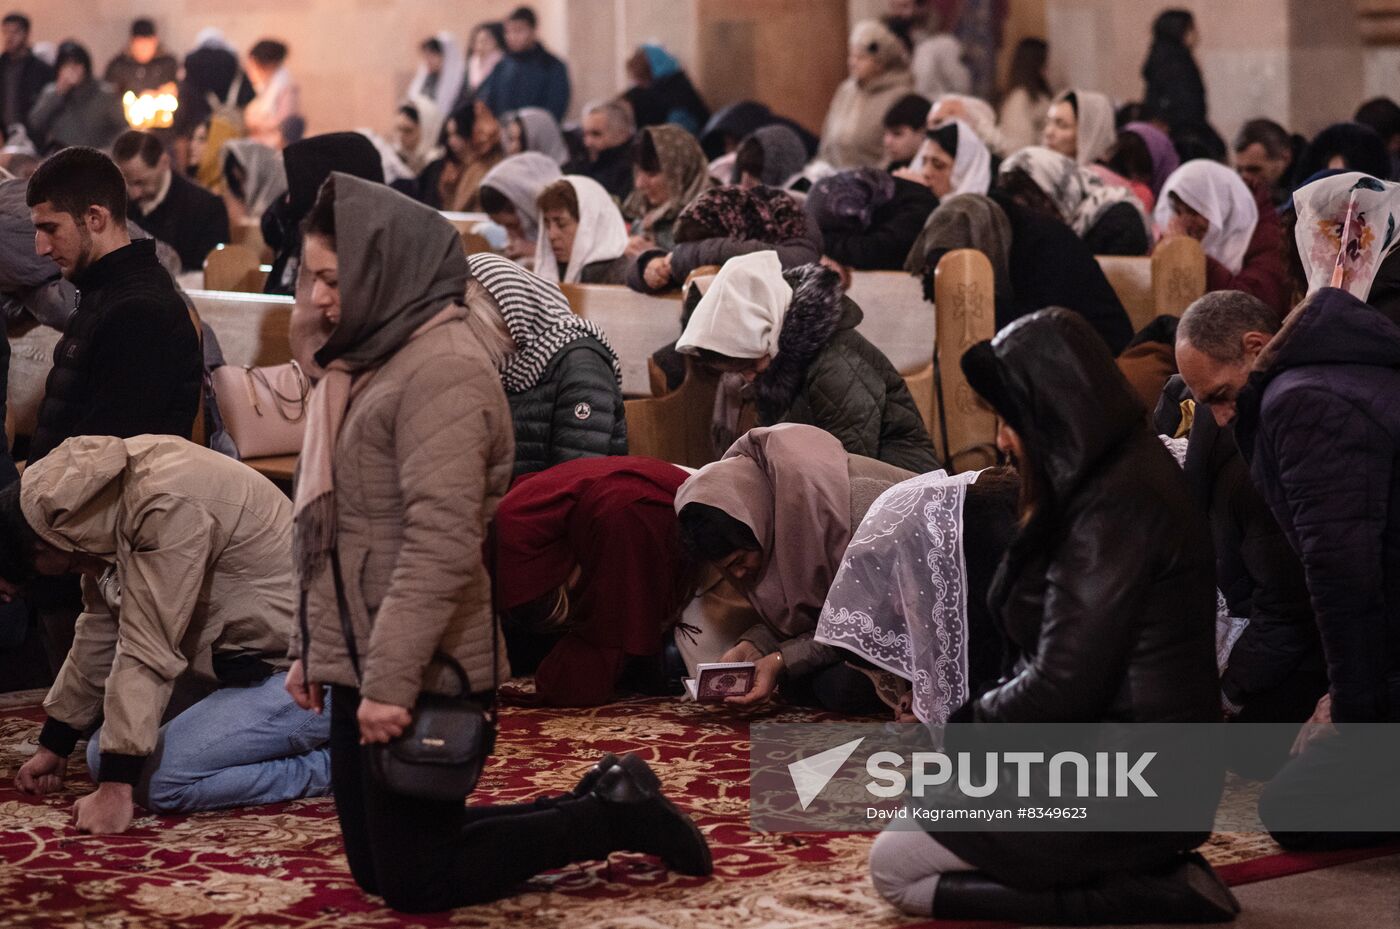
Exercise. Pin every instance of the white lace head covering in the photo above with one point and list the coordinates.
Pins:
(900, 596)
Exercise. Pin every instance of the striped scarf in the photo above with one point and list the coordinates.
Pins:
(538, 318)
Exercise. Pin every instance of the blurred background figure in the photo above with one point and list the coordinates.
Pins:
(145, 65)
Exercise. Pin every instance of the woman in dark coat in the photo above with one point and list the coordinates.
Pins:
(869, 218)
(662, 92)
(1037, 261)
(724, 222)
(599, 609)
(1107, 599)
(792, 337)
(561, 376)
(308, 163)
(1175, 91)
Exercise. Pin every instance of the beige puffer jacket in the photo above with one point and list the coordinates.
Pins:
(423, 458)
(201, 547)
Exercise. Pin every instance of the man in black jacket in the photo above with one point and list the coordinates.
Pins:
(185, 216)
(1315, 414)
(608, 129)
(129, 362)
(1275, 672)
(22, 75)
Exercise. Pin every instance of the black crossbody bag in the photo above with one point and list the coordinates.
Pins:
(441, 754)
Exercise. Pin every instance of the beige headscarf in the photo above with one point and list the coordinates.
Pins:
(1097, 130)
(790, 484)
(686, 170)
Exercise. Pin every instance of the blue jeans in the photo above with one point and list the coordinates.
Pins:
(239, 746)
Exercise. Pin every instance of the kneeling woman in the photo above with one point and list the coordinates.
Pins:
(1107, 593)
(408, 450)
(590, 548)
(792, 336)
(775, 515)
(561, 376)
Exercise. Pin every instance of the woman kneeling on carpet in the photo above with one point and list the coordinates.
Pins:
(408, 450)
(588, 565)
(775, 515)
(1107, 592)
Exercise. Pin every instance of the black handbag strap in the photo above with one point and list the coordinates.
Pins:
(347, 630)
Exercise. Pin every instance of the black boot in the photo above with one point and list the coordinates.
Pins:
(1187, 892)
(641, 819)
(590, 779)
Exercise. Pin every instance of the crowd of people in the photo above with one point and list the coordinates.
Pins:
(1196, 522)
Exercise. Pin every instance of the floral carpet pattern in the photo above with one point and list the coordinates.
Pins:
(282, 865)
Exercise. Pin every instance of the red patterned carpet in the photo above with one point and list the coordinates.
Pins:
(282, 866)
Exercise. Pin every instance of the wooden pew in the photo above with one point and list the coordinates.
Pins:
(252, 330)
(636, 325)
(898, 320)
(234, 268)
(465, 223)
(676, 427)
(1164, 284)
(966, 312)
(248, 233)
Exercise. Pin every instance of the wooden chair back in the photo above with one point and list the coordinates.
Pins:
(1163, 285)
(636, 325)
(676, 427)
(251, 329)
(234, 268)
(965, 304)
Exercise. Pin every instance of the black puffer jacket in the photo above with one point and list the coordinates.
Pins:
(575, 411)
(1255, 569)
(1320, 421)
(826, 374)
(1107, 593)
(129, 361)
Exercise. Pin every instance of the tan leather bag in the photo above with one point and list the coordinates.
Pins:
(264, 409)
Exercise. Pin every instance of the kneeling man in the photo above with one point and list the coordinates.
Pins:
(186, 564)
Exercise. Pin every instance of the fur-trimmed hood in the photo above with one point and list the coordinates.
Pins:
(817, 311)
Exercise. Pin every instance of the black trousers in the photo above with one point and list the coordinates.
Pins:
(424, 856)
(1327, 797)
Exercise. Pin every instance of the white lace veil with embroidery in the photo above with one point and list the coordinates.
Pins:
(900, 596)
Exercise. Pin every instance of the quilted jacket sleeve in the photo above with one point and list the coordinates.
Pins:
(442, 439)
(1332, 492)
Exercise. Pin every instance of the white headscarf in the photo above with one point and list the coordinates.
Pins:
(972, 165)
(449, 81)
(741, 315)
(542, 133)
(1347, 225)
(1097, 131)
(899, 599)
(601, 233)
(520, 179)
(1218, 194)
(1079, 193)
(430, 120)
